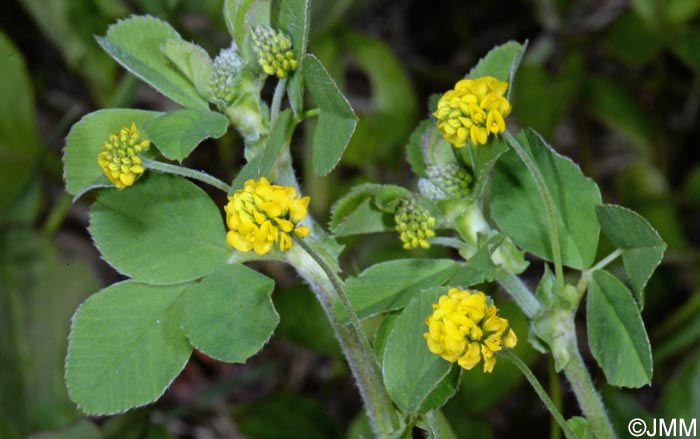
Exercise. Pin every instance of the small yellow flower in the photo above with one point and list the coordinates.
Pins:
(414, 224)
(261, 214)
(119, 156)
(473, 110)
(274, 51)
(464, 327)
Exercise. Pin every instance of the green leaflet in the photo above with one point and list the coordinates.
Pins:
(517, 207)
(294, 17)
(151, 230)
(391, 285)
(193, 61)
(177, 134)
(126, 347)
(416, 379)
(229, 314)
(336, 121)
(616, 332)
(501, 62)
(642, 247)
(136, 42)
(366, 208)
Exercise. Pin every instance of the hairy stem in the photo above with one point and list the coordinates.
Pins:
(339, 291)
(532, 379)
(360, 358)
(587, 396)
(185, 172)
(546, 200)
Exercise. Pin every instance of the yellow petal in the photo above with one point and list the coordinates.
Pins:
(510, 340)
(435, 348)
(285, 242)
(488, 364)
(127, 179)
(238, 242)
(261, 248)
(285, 225)
(297, 211)
(301, 231)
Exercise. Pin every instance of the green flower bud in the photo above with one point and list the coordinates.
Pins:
(446, 180)
(274, 51)
(414, 224)
(224, 79)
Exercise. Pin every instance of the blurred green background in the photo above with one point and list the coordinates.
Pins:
(613, 84)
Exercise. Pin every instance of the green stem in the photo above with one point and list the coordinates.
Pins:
(539, 390)
(587, 395)
(339, 290)
(359, 355)
(185, 172)
(546, 200)
(522, 295)
(280, 90)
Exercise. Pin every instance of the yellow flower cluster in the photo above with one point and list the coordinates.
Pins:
(274, 51)
(261, 214)
(414, 224)
(464, 328)
(119, 156)
(474, 109)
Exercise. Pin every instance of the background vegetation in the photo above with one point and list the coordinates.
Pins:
(613, 84)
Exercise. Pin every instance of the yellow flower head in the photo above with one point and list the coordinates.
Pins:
(119, 156)
(261, 214)
(274, 51)
(474, 109)
(464, 328)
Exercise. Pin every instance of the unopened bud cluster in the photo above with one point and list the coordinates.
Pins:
(414, 224)
(274, 51)
(223, 80)
(446, 180)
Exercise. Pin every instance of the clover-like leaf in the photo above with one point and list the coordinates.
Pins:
(642, 247)
(126, 347)
(136, 42)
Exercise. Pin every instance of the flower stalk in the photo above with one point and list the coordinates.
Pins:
(167, 168)
(546, 200)
(537, 387)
